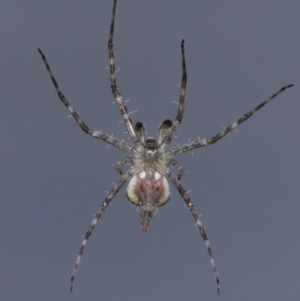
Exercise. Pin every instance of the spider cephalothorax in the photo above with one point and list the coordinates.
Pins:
(148, 187)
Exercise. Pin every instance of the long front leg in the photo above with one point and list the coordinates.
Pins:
(173, 126)
(214, 139)
(113, 81)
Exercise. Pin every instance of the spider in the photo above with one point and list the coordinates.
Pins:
(150, 158)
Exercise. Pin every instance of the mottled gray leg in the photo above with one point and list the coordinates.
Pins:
(96, 134)
(189, 204)
(204, 142)
(163, 130)
(169, 135)
(118, 165)
(139, 128)
(183, 87)
(102, 208)
(113, 80)
(179, 167)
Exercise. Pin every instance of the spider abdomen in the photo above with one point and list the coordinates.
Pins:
(148, 189)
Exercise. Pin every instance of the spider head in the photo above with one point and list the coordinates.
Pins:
(150, 152)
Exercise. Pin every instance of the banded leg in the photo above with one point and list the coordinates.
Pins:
(163, 129)
(189, 204)
(183, 87)
(102, 208)
(139, 128)
(96, 134)
(113, 82)
(205, 142)
(179, 167)
(179, 116)
(118, 165)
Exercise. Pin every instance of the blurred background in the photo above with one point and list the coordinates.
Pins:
(54, 177)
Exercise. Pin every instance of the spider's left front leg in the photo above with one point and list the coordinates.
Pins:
(196, 217)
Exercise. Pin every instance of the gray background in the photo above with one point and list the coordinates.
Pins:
(53, 177)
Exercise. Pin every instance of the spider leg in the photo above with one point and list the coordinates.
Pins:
(102, 208)
(123, 161)
(189, 204)
(179, 167)
(168, 137)
(139, 128)
(163, 129)
(96, 134)
(183, 88)
(205, 142)
(113, 82)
